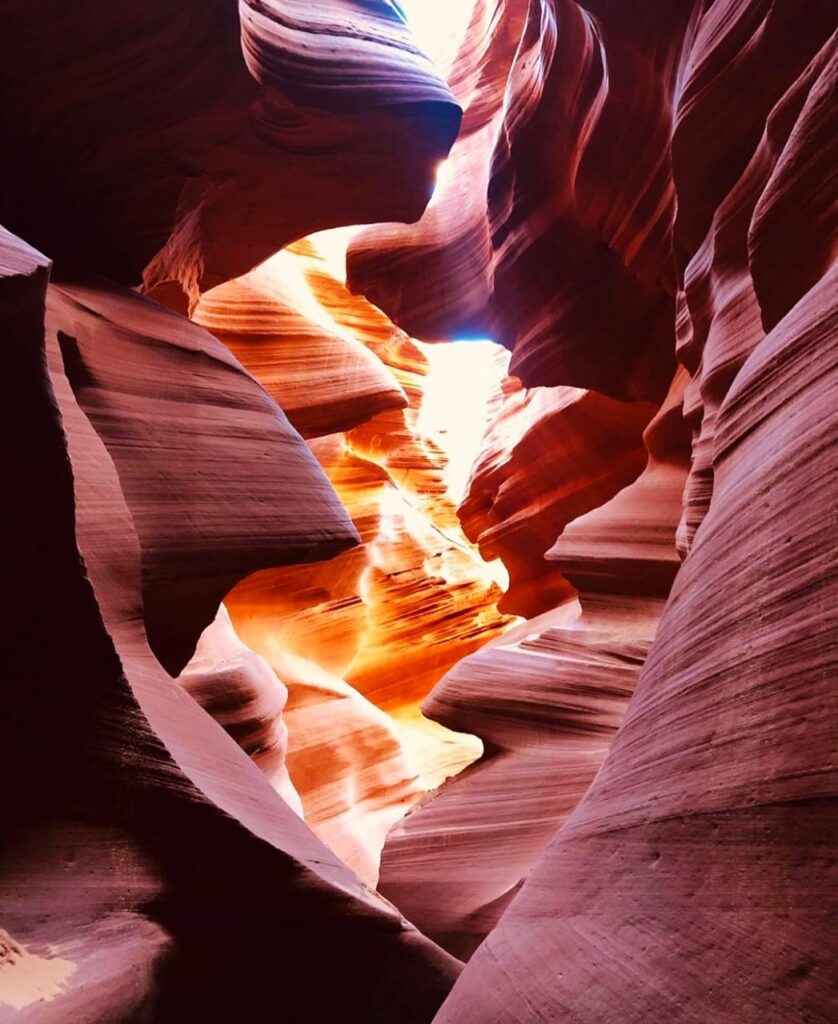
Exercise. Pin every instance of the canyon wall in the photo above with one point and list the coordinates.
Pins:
(689, 192)
(546, 698)
(360, 640)
(149, 868)
(180, 144)
(242, 558)
(143, 851)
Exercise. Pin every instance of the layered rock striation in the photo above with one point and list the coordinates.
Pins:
(180, 144)
(555, 213)
(546, 699)
(640, 206)
(548, 456)
(146, 859)
(217, 481)
(370, 631)
(712, 817)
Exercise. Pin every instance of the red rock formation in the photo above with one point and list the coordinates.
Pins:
(146, 859)
(633, 183)
(243, 694)
(435, 279)
(546, 699)
(729, 188)
(566, 258)
(192, 436)
(626, 546)
(376, 627)
(351, 762)
(324, 382)
(713, 816)
(181, 143)
(549, 455)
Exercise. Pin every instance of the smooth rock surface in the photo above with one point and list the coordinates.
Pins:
(146, 857)
(696, 879)
(553, 226)
(179, 143)
(217, 481)
(549, 455)
(546, 699)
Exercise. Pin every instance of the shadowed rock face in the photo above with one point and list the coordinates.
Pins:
(217, 481)
(641, 207)
(555, 216)
(549, 455)
(181, 143)
(358, 641)
(713, 815)
(546, 699)
(149, 871)
(146, 854)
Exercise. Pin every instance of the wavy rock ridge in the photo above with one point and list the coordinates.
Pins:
(276, 98)
(371, 631)
(641, 207)
(125, 775)
(653, 163)
(148, 868)
(546, 698)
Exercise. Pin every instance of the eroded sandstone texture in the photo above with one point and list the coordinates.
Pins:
(180, 144)
(546, 699)
(241, 550)
(689, 188)
(359, 640)
(149, 870)
(141, 846)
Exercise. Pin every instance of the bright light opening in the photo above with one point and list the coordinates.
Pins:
(454, 412)
(438, 27)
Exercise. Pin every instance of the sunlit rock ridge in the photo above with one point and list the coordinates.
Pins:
(421, 438)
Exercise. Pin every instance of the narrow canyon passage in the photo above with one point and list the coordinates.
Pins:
(437, 438)
(419, 592)
(360, 641)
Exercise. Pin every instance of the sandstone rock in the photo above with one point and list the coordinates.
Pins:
(549, 455)
(324, 382)
(713, 817)
(243, 694)
(145, 858)
(546, 699)
(370, 631)
(217, 481)
(565, 257)
(181, 143)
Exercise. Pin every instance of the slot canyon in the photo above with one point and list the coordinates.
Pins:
(419, 589)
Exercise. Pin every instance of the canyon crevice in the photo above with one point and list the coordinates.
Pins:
(419, 592)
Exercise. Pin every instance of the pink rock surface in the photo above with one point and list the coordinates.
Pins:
(146, 850)
(181, 143)
(566, 257)
(651, 832)
(244, 695)
(713, 816)
(217, 481)
(549, 455)
(546, 699)
(696, 879)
